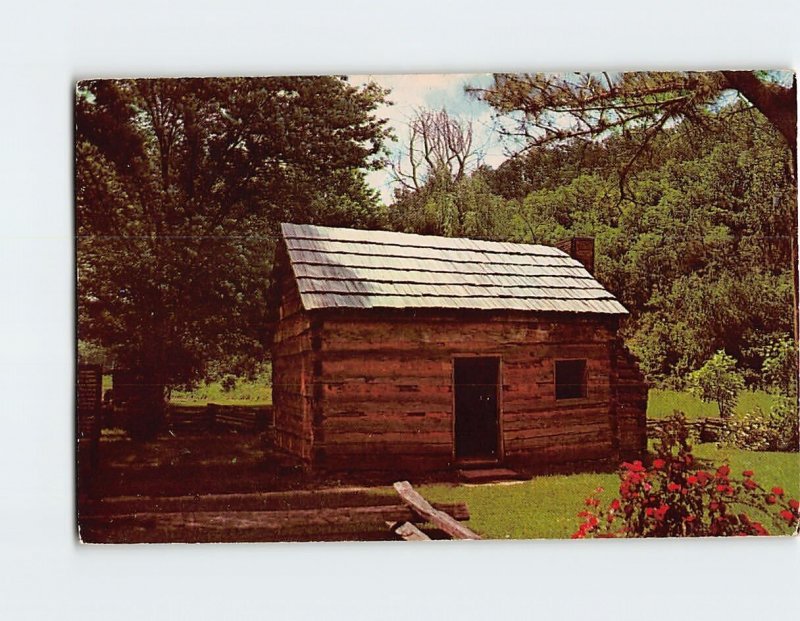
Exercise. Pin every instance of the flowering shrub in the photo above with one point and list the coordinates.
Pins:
(674, 497)
(776, 430)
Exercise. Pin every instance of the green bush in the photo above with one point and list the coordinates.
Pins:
(775, 430)
(718, 380)
(779, 369)
(228, 383)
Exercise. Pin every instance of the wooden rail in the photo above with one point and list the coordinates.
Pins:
(705, 429)
(216, 417)
(301, 515)
(424, 509)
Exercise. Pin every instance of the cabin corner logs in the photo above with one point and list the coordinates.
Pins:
(375, 390)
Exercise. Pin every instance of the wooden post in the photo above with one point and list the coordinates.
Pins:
(211, 416)
(424, 509)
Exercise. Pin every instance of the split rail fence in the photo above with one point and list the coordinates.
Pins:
(303, 515)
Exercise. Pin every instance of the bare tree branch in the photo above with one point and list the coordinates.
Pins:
(436, 142)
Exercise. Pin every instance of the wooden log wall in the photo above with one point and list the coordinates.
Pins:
(291, 373)
(384, 397)
(631, 404)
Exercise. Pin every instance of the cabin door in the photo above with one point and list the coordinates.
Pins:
(476, 429)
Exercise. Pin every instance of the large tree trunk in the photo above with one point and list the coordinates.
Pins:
(775, 102)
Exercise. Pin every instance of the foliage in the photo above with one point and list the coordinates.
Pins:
(180, 187)
(719, 381)
(92, 353)
(676, 498)
(774, 430)
(253, 390)
(694, 240)
(454, 208)
(545, 107)
(779, 369)
(703, 313)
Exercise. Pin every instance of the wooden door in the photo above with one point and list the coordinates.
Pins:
(476, 411)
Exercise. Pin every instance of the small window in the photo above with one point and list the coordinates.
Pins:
(570, 379)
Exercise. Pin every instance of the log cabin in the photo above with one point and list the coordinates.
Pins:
(413, 353)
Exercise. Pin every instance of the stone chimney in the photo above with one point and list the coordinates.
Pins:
(581, 249)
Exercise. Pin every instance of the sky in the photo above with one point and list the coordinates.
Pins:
(433, 91)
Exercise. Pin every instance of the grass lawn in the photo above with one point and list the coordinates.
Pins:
(547, 506)
(246, 392)
(662, 403)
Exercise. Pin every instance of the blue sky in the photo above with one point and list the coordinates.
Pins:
(435, 91)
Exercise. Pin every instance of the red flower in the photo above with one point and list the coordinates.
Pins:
(658, 464)
(750, 484)
(747, 473)
(661, 512)
(759, 528)
(713, 505)
(771, 500)
(673, 487)
(691, 479)
(787, 515)
(703, 477)
(690, 518)
(723, 471)
(592, 502)
(649, 512)
(633, 467)
(721, 488)
(615, 504)
(778, 491)
(794, 504)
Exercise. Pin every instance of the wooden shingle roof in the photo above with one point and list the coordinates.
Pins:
(349, 268)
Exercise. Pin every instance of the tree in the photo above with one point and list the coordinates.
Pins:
(555, 107)
(718, 381)
(180, 187)
(438, 144)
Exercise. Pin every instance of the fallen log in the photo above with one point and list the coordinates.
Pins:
(429, 513)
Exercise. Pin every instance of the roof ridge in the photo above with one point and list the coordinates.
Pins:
(287, 234)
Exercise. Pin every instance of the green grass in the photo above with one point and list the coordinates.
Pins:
(246, 392)
(544, 507)
(662, 403)
(547, 506)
